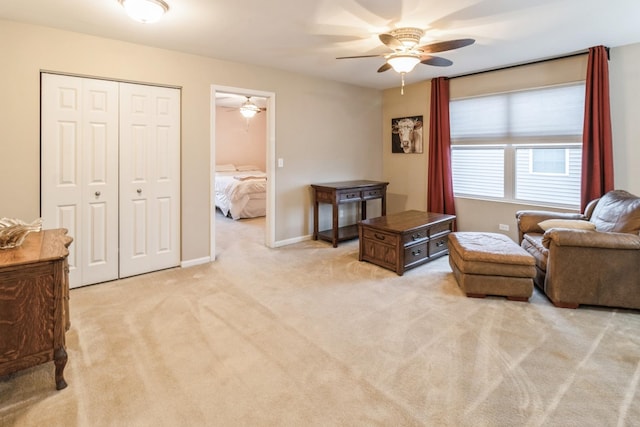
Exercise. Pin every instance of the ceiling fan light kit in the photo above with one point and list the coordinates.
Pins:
(403, 62)
(249, 109)
(407, 53)
(145, 11)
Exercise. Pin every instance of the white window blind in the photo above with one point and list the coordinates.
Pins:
(519, 146)
(478, 171)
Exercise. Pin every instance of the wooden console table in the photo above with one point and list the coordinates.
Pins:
(34, 310)
(405, 240)
(337, 193)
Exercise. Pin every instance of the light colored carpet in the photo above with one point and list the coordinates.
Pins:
(306, 335)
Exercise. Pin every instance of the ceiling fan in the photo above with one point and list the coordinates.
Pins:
(248, 108)
(407, 53)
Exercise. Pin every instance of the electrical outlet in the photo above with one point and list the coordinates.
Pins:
(503, 227)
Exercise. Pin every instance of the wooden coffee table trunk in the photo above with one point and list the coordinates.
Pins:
(404, 240)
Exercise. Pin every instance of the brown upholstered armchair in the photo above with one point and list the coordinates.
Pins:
(591, 258)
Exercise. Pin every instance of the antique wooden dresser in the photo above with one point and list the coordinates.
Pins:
(34, 310)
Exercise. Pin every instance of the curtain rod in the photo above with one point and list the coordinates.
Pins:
(571, 55)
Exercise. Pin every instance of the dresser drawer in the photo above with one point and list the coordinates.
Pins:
(349, 196)
(415, 236)
(415, 253)
(438, 245)
(380, 237)
(440, 228)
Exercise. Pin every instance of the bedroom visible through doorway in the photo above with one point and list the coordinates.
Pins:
(242, 143)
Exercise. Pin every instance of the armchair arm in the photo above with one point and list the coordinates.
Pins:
(528, 220)
(591, 239)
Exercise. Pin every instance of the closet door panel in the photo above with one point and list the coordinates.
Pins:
(149, 183)
(61, 151)
(79, 172)
(100, 167)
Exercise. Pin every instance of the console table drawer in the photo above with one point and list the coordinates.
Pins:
(372, 194)
(352, 195)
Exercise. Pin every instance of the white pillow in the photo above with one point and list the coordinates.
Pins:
(243, 168)
(576, 224)
(230, 167)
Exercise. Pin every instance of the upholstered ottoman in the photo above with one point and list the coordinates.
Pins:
(491, 264)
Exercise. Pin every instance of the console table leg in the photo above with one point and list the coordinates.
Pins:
(60, 360)
(335, 225)
(315, 220)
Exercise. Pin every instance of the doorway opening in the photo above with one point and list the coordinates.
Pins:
(225, 100)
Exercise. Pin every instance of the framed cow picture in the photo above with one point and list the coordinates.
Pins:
(406, 135)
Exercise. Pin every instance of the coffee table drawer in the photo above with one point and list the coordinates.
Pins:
(415, 236)
(380, 237)
(415, 253)
(438, 245)
(440, 228)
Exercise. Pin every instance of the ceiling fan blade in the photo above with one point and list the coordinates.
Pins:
(384, 67)
(357, 56)
(446, 45)
(390, 41)
(436, 61)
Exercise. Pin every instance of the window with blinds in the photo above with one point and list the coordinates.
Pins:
(519, 146)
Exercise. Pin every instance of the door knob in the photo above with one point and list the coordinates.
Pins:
(97, 193)
(139, 190)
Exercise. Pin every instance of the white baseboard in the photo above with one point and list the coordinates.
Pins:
(299, 239)
(194, 262)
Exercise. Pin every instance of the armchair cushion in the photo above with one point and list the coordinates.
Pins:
(577, 224)
(617, 211)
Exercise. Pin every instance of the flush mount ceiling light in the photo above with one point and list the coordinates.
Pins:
(145, 11)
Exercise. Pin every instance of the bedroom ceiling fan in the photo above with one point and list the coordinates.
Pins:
(407, 53)
(248, 108)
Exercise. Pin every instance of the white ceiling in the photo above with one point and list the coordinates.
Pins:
(306, 36)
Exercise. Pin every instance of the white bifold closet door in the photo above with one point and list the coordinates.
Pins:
(101, 142)
(149, 178)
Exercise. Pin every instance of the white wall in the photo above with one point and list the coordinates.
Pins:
(624, 77)
(240, 141)
(316, 120)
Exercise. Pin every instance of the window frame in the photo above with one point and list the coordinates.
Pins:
(510, 142)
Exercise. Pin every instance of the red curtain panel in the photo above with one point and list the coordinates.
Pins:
(597, 151)
(440, 184)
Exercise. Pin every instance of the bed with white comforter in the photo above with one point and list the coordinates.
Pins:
(241, 193)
